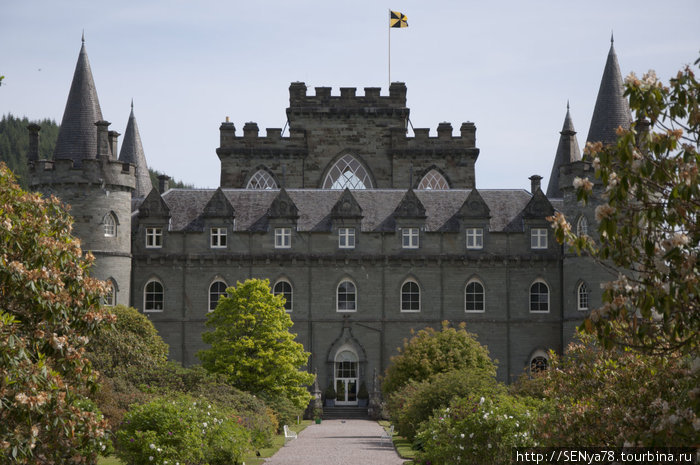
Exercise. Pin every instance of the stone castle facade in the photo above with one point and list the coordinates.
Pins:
(368, 232)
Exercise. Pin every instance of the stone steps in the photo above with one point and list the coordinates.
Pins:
(345, 413)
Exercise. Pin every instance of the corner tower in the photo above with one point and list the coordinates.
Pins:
(85, 174)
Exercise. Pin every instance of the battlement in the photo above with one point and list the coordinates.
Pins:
(348, 98)
(103, 171)
(444, 139)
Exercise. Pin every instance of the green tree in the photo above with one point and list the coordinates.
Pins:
(49, 307)
(14, 143)
(430, 352)
(252, 346)
(648, 221)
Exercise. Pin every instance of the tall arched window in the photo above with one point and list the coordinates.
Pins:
(110, 298)
(216, 290)
(284, 288)
(582, 297)
(410, 297)
(153, 296)
(474, 297)
(582, 226)
(347, 172)
(539, 297)
(109, 224)
(347, 297)
(433, 179)
(261, 179)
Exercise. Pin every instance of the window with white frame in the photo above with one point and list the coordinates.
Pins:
(582, 297)
(346, 297)
(283, 238)
(475, 238)
(346, 238)
(109, 224)
(153, 296)
(349, 173)
(154, 238)
(433, 179)
(218, 238)
(216, 290)
(410, 297)
(538, 238)
(539, 297)
(474, 297)
(261, 179)
(284, 288)
(110, 298)
(582, 226)
(409, 238)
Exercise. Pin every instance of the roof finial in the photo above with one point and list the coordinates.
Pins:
(567, 104)
(132, 103)
(83, 37)
(612, 39)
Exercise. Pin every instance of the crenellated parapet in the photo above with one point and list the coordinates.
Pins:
(104, 172)
(252, 143)
(445, 141)
(348, 102)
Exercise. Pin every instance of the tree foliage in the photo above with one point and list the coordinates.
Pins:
(14, 143)
(251, 344)
(49, 308)
(430, 352)
(648, 221)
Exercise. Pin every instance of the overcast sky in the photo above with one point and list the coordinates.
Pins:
(508, 66)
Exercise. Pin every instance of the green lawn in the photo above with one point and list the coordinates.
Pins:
(111, 460)
(403, 446)
(277, 443)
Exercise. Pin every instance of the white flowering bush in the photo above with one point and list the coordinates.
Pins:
(478, 431)
(182, 430)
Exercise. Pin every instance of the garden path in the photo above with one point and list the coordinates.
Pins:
(338, 442)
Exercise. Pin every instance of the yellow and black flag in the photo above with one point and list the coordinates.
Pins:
(397, 19)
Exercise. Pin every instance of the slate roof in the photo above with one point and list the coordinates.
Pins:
(132, 152)
(77, 138)
(315, 205)
(567, 151)
(611, 108)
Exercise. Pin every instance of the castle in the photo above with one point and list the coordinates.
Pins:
(368, 233)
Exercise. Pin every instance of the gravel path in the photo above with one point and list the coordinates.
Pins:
(338, 442)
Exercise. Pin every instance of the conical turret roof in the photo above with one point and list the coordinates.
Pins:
(132, 152)
(567, 151)
(77, 138)
(611, 107)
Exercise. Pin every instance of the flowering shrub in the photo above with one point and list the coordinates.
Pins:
(478, 431)
(49, 309)
(415, 402)
(181, 430)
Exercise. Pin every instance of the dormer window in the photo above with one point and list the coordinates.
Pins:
(283, 238)
(154, 238)
(538, 238)
(475, 238)
(346, 238)
(410, 238)
(218, 238)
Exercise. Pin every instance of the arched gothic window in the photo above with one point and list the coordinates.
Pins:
(109, 224)
(153, 296)
(538, 363)
(284, 288)
(582, 297)
(347, 297)
(347, 172)
(216, 290)
(410, 297)
(433, 180)
(539, 297)
(474, 297)
(110, 298)
(261, 179)
(582, 226)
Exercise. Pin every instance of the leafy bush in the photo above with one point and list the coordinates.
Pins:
(415, 402)
(430, 352)
(182, 429)
(50, 308)
(478, 431)
(285, 410)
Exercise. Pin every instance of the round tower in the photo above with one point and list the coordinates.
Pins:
(86, 175)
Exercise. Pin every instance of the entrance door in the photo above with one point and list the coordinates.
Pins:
(346, 378)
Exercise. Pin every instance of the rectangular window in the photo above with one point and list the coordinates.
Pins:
(475, 238)
(538, 238)
(409, 238)
(283, 238)
(218, 238)
(154, 238)
(346, 238)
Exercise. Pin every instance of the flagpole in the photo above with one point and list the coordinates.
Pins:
(389, 48)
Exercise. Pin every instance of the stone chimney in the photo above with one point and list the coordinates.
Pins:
(113, 137)
(33, 154)
(102, 138)
(535, 183)
(163, 184)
